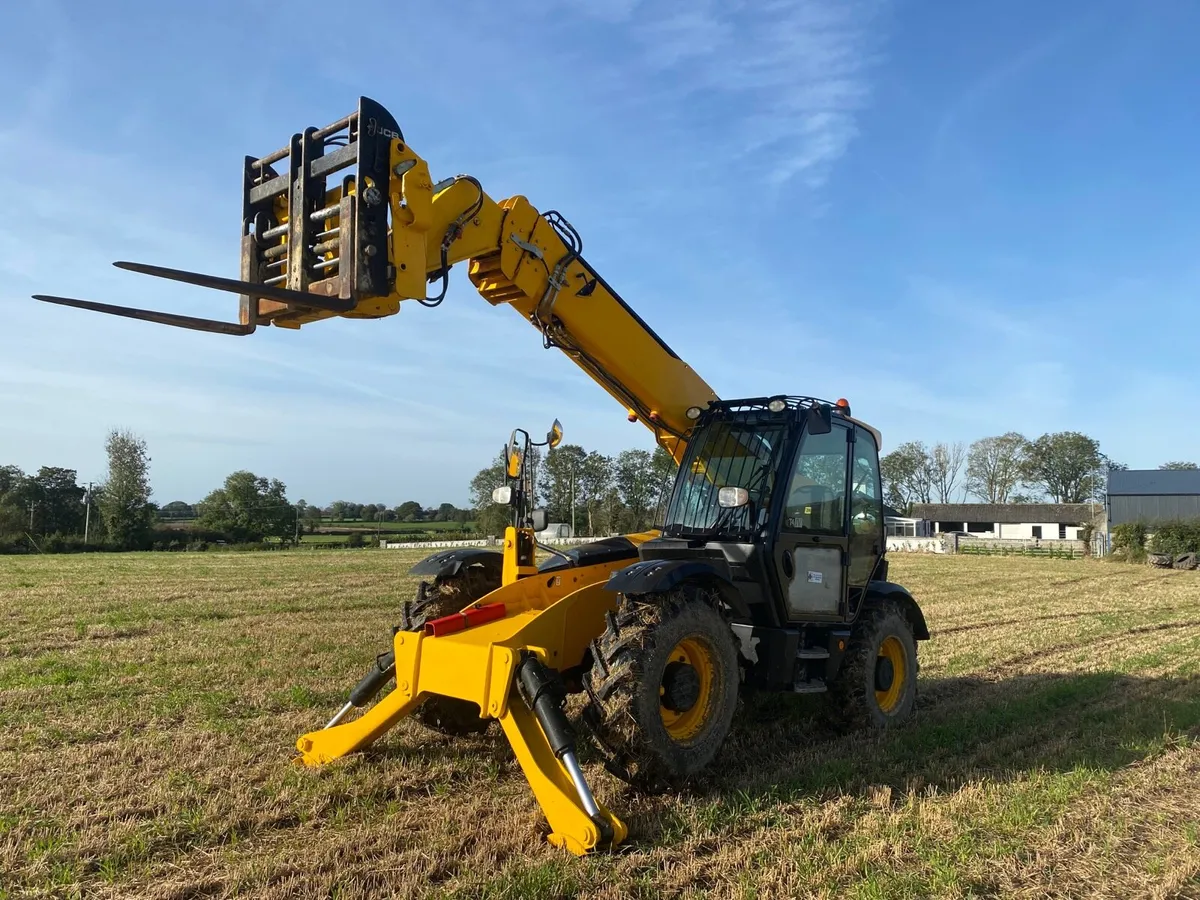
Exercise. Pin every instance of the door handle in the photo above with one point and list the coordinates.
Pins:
(789, 568)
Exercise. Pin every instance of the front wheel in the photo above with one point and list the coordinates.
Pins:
(876, 686)
(663, 686)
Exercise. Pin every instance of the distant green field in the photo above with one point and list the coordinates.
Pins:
(391, 527)
(362, 525)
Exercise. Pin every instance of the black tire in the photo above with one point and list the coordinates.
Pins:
(639, 679)
(1159, 560)
(443, 597)
(855, 694)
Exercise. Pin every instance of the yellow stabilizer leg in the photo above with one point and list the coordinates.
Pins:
(553, 617)
(324, 746)
(570, 825)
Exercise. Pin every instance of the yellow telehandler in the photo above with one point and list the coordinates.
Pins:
(768, 568)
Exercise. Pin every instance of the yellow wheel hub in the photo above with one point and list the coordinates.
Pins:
(686, 689)
(891, 657)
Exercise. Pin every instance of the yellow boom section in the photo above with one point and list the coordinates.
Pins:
(346, 221)
(530, 262)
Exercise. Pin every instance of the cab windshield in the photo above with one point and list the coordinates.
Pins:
(725, 454)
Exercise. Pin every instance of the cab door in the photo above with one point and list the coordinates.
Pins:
(866, 534)
(812, 549)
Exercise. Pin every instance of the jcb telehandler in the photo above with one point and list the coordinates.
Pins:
(768, 569)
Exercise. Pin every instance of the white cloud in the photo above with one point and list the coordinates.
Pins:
(790, 76)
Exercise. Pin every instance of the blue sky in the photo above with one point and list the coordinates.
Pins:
(967, 218)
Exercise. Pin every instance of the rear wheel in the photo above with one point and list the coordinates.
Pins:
(662, 687)
(876, 686)
(444, 597)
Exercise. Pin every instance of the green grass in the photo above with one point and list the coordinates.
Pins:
(149, 705)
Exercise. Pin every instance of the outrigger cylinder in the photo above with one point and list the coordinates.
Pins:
(542, 691)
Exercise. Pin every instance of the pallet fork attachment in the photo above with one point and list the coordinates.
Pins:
(311, 246)
(509, 667)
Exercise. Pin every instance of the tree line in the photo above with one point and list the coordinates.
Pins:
(612, 494)
(597, 494)
(49, 511)
(52, 511)
(1063, 467)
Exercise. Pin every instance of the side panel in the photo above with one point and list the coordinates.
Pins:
(816, 581)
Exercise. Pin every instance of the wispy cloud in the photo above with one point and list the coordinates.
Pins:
(795, 75)
(779, 83)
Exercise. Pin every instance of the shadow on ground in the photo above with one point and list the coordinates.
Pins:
(965, 729)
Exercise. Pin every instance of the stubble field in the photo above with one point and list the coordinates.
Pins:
(149, 706)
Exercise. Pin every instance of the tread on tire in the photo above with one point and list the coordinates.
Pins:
(625, 683)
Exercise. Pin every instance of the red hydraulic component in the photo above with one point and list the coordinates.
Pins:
(465, 619)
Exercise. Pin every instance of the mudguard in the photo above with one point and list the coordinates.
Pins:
(651, 575)
(888, 590)
(450, 562)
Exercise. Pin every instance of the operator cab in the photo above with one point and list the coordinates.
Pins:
(783, 494)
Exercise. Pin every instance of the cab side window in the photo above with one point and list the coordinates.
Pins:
(816, 495)
(866, 503)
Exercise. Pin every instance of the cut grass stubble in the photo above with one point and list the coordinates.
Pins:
(149, 706)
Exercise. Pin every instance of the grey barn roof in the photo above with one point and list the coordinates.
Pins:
(1153, 482)
(1007, 513)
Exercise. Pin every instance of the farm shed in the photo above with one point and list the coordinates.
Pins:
(1153, 495)
(1015, 521)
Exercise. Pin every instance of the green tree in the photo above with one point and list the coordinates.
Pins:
(409, 511)
(944, 466)
(249, 508)
(634, 477)
(560, 473)
(611, 514)
(124, 498)
(13, 519)
(177, 509)
(11, 479)
(312, 518)
(994, 466)
(445, 513)
(1065, 465)
(492, 517)
(906, 476)
(594, 482)
(1177, 465)
(16, 493)
(663, 468)
(59, 501)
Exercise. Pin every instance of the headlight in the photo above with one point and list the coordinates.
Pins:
(693, 413)
(732, 497)
(777, 405)
(502, 495)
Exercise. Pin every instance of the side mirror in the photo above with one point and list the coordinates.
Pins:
(732, 497)
(537, 520)
(513, 456)
(555, 435)
(819, 419)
